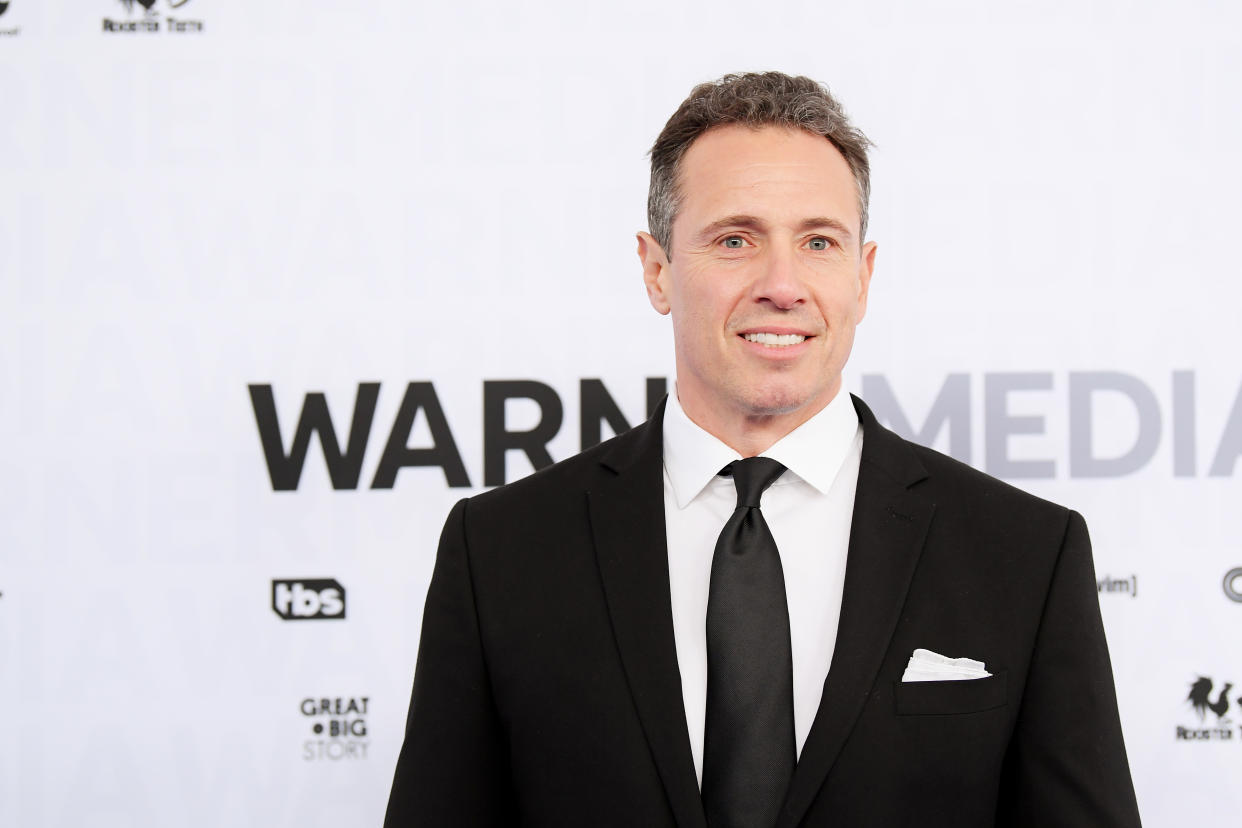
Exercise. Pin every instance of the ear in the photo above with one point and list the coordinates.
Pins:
(655, 271)
(866, 265)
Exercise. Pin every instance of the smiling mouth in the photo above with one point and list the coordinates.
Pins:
(771, 340)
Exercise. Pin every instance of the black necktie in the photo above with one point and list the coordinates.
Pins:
(749, 749)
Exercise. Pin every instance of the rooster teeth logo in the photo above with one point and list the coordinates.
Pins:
(147, 4)
(150, 22)
(308, 599)
(339, 726)
(4, 6)
(1204, 701)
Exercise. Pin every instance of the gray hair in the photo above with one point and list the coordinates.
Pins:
(753, 99)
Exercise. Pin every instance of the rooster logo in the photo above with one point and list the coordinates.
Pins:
(1200, 698)
(129, 4)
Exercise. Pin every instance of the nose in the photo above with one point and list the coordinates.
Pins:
(778, 280)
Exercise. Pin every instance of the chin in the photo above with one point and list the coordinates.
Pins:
(775, 403)
(780, 398)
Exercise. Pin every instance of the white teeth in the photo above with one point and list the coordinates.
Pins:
(772, 340)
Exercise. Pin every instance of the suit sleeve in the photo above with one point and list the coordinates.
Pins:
(453, 769)
(1066, 764)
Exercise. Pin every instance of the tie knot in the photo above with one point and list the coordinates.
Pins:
(752, 477)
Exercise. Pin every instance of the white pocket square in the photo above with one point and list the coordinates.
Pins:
(925, 665)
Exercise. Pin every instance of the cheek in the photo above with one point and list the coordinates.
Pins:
(695, 325)
(841, 305)
(704, 306)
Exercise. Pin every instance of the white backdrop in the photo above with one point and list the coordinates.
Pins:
(312, 195)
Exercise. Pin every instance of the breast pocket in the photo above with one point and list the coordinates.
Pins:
(950, 698)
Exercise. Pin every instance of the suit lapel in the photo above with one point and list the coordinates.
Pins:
(886, 539)
(627, 521)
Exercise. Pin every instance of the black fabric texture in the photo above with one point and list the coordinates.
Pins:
(749, 746)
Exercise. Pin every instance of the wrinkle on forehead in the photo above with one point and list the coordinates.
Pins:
(736, 169)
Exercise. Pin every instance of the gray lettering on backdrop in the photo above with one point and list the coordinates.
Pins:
(1001, 425)
(1083, 386)
(951, 408)
(1230, 447)
(1184, 424)
(951, 411)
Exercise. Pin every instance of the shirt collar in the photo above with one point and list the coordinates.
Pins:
(814, 451)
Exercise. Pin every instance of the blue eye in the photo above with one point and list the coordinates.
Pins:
(734, 242)
(819, 244)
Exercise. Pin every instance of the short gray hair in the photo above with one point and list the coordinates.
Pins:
(753, 99)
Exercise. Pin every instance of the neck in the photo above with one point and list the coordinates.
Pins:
(747, 432)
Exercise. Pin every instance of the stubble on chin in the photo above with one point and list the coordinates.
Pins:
(781, 397)
(761, 403)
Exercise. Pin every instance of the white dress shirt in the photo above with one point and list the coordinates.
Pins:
(808, 510)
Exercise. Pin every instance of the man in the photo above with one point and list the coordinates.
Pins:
(712, 619)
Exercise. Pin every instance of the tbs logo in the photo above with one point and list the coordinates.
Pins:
(308, 599)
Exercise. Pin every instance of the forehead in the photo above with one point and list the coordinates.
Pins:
(777, 170)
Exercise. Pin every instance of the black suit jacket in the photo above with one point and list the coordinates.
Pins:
(547, 691)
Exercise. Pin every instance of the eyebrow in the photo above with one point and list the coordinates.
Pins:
(755, 223)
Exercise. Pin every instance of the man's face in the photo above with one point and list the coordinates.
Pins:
(767, 277)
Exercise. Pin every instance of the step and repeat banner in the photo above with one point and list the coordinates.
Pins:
(281, 281)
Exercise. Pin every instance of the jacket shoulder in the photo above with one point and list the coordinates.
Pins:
(987, 500)
(941, 477)
(572, 477)
(948, 481)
